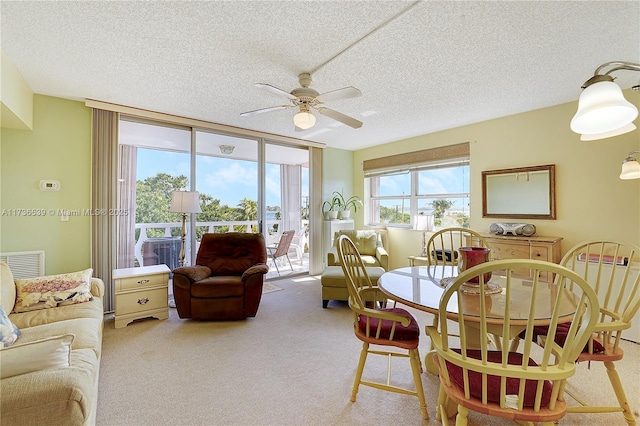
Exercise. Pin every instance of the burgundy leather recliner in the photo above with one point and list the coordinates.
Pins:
(226, 281)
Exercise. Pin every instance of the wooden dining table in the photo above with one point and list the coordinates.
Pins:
(421, 287)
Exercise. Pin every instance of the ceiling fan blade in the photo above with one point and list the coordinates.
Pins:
(260, 111)
(352, 122)
(344, 93)
(275, 90)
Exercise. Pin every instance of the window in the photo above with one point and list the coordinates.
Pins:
(438, 187)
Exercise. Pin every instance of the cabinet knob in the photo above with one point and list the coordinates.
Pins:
(143, 282)
(143, 301)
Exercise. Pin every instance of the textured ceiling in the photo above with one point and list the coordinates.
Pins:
(439, 65)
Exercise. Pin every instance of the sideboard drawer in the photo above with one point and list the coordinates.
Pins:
(540, 253)
(509, 251)
(520, 247)
(137, 301)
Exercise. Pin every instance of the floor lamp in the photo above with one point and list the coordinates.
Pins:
(424, 223)
(184, 202)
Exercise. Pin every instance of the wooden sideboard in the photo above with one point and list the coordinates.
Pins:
(513, 247)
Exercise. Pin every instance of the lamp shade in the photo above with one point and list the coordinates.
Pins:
(185, 202)
(304, 120)
(423, 222)
(595, 136)
(602, 108)
(630, 168)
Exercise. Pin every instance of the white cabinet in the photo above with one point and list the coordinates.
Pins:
(329, 231)
(140, 293)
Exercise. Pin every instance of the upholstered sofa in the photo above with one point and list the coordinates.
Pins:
(370, 245)
(50, 372)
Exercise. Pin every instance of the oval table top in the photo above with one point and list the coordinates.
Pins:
(422, 286)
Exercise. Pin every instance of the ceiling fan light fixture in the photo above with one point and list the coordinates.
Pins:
(304, 120)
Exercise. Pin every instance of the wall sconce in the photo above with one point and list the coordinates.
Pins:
(630, 167)
(227, 149)
(424, 223)
(184, 202)
(603, 112)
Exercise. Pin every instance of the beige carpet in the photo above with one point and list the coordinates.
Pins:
(268, 287)
(291, 365)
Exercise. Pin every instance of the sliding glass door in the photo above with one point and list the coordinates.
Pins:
(245, 185)
(287, 202)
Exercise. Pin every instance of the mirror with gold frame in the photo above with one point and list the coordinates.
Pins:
(520, 193)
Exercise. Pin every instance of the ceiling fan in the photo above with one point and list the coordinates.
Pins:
(307, 99)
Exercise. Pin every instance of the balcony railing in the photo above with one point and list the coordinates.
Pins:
(220, 226)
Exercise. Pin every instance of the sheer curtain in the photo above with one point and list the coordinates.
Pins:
(291, 190)
(104, 198)
(127, 203)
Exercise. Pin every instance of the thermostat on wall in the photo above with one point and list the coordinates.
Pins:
(49, 185)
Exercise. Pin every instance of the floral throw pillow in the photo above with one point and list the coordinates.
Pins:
(8, 330)
(53, 290)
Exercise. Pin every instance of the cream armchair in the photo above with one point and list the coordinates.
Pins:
(369, 244)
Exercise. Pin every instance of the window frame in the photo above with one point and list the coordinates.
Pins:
(372, 178)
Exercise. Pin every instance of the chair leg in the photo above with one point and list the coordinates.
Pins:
(416, 368)
(461, 418)
(358, 378)
(619, 391)
(441, 411)
(275, 263)
(289, 262)
(623, 407)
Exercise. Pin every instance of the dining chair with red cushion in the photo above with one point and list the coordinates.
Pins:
(612, 269)
(525, 386)
(391, 330)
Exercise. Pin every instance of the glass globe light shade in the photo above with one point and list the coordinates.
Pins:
(595, 136)
(304, 120)
(602, 108)
(630, 169)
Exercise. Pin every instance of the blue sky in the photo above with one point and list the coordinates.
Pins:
(227, 180)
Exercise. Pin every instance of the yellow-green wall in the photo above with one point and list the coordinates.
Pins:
(337, 172)
(16, 97)
(592, 202)
(58, 148)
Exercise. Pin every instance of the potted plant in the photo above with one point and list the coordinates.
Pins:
(345, 204)
(330, 208)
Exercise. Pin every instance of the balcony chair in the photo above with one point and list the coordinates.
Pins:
(370, 245)
(281, 249)
(299, 243)
(613, 271)
(226, 281)
(377, 325)
(524, 386)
